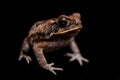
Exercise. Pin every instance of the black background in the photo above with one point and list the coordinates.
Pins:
(95, 18)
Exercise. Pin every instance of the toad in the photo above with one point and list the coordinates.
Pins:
(52, 34)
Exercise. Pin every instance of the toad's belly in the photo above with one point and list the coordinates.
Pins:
(55, 45)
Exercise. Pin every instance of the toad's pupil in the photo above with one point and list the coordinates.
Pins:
(62, 22)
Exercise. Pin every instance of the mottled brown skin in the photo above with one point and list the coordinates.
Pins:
(50, 35)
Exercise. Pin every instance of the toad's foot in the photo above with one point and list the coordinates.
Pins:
(51, 69)
(77, 57)
(27, 58)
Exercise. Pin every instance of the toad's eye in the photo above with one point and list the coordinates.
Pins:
(62, 22)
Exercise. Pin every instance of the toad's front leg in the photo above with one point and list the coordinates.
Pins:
(42, 61)
(76, 54)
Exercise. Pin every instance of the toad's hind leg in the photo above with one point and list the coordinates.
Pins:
(24, 49)
(42, 61)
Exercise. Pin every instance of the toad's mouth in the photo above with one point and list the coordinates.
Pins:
(69, 30)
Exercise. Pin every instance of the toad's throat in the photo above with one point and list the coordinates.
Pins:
(77, 28)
